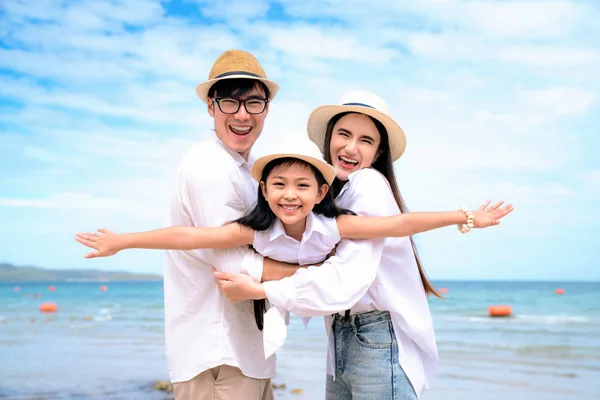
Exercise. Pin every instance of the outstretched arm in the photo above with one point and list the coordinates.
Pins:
(358, 227)
(108, 243)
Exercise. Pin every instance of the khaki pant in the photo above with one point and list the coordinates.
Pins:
(223, 383)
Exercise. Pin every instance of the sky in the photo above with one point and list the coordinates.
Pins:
(499, 100)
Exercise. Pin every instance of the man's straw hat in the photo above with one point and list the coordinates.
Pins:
(363, 103)
(235, 64)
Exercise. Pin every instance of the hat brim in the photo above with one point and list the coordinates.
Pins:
(320, 117)
(324, 168)
(203, 88)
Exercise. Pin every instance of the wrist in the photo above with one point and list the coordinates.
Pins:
(465, 227)
(124, 241)
(259, 292)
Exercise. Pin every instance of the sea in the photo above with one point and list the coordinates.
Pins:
(106, 341)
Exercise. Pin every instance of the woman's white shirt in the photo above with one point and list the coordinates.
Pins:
(364, 275)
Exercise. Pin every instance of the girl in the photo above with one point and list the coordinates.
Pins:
(383, 346)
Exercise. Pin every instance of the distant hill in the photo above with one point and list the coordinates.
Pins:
(9, 272)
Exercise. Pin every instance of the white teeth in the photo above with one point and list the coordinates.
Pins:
(240, 128)
(291, 207)
(349, 161)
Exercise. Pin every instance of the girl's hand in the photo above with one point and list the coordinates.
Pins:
(238, 287)
(106, 243)
(489, 216)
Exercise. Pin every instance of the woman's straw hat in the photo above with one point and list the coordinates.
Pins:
(301, 149)
(363, 103)
(235, 64)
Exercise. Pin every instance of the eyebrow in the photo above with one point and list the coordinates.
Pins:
(254, 97)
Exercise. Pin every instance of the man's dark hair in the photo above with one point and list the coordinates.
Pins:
(236, 87)
(262, 217)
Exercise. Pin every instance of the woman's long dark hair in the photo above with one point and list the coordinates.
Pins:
(262, 217)
(384, 165)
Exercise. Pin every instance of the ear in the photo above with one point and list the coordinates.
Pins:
(211, 108)
(378, 153)
(263, 189)
(322, 192)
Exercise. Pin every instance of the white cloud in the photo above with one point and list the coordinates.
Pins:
(68, 201)
(521, 19)
(551, 56)
(560, 101)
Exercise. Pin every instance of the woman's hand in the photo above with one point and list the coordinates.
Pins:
(107, 243)
(238, 287)
(488, 215)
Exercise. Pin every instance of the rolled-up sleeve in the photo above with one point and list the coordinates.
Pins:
(344, 278)
(209, 197)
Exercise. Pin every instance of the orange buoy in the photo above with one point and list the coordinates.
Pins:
(103, 288)
(48, 307)
(500, 311)
(51, 288)
(443, 290)
(560, 291)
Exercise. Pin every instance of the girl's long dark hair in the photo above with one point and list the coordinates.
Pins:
(261, 217)
(384, 165)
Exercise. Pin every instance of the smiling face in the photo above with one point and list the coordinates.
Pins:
(354, 144)
(239, 131)
(292, 190)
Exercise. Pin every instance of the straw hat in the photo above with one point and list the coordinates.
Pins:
(360, 102)
(235, 64)
(303, 150)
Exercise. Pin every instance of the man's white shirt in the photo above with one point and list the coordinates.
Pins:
(202, 328)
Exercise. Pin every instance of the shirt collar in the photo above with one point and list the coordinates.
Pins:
(235, 155)
(277, 229)
(314, 223)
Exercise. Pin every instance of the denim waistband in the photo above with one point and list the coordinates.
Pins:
(364, 318)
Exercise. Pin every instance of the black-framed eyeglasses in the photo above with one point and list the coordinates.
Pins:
(228, 105)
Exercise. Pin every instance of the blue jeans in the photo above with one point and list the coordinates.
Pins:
(366, 358)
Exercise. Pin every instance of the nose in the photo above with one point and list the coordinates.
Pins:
(351, 147)
(242, 114)
(290, 194)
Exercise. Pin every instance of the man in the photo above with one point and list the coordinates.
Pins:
(214, 349)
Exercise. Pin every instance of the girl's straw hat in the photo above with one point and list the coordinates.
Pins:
(303, 150)
(235, 64)
(360, 102)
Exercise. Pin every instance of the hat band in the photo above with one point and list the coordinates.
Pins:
(359, 104)
(225, 74)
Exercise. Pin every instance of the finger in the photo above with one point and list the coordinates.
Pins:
(93, 254)
(502, 213)
(222, 275)
(214, 269)
(84, 242)
(89, 236)
(103, 230)
(482, 208)
(495, 206)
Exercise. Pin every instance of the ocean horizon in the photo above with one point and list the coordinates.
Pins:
(109, 344)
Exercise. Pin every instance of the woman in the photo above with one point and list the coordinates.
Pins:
(383, 346)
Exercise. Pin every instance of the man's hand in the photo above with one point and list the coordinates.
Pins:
(238, 287)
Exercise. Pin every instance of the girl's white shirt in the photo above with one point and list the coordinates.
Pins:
(319, 238)
(365, 275)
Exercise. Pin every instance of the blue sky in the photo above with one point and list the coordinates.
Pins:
(499, 99)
